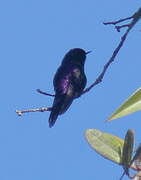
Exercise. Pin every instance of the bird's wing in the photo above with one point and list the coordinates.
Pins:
(78, 80)
(64, 94)
(62, 80)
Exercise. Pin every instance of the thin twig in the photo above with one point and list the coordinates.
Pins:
(119, 21)
(100, 77)
(123, 26)
(44, 93)
(135, 18)
(20, 112)
(122, 175)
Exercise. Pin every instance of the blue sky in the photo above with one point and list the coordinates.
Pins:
(34, 36)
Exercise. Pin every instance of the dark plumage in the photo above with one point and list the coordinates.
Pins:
(69, 82)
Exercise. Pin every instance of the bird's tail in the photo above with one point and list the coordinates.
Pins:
(60, 105)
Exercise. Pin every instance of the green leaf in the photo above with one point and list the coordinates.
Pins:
(132, 104)
(137, 158)
(127, 151)
(107, 145)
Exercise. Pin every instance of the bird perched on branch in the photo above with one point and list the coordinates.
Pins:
(69, 82)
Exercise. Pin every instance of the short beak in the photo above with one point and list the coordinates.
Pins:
(88, 52)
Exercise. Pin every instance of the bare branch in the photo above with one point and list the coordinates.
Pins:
(44, 93)
(123, 26)
(117, 22)
(100, 77)
(135, 18)
(43, 109)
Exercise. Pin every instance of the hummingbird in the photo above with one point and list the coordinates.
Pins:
(69, 82)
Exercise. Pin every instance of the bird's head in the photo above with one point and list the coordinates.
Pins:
(76, 56)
